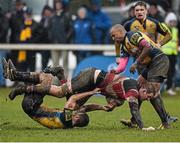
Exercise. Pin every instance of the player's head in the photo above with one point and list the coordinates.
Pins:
(80, 119)
(140, 10)
(117, 33)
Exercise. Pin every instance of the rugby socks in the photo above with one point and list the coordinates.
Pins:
(160, 109)
(43, 89)
(134, 108)
(26, 77)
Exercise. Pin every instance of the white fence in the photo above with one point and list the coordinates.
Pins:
(107, 50)
(68, 47)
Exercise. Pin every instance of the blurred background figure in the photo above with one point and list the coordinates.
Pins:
(60, 32)
(154, 12)
(29, 33)
(171, 50)
(101, 22)
(82, 33)
(46, 14)
(16, 19)
(130, 15)
(4, 25)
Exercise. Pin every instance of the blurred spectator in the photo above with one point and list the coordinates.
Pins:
(59, 32)
(171, 50)
(4, 25)
(154, 13)
(82, 29)
(177, 76)
(101, 23)
(130, 15)
(122, 3)
(47, 13)
(16, 23)
(29, 33)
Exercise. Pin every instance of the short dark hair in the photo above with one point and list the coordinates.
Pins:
(83, 119)
(154, 4)
(141, 3)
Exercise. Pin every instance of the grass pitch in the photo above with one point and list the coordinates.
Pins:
(16, 126)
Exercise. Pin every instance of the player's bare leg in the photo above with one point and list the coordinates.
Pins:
(45, 87)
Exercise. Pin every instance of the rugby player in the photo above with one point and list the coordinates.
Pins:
(116, 88)
(152, 28)
(146, 53)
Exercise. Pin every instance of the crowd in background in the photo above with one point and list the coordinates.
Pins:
(90, 26)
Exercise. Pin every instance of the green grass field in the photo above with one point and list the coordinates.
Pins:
(16, 126)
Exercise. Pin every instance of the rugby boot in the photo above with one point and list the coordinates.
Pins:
(21, 76)
(171, 119)
(5, 68)
(8, 68)
(11, 65)
(57, 71)
(18, 90)
(128, 123)
(164, 126)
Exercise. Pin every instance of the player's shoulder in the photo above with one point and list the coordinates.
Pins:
(134, 37)
(129, 23)
(152, 20)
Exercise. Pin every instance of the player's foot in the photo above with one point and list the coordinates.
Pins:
(11, 65)
(56, 71)
(171, 119)
(8, 68)
(163, 126)
(19, 89)
(128, 123)
(5, 68)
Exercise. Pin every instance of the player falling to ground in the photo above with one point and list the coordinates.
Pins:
(52, 118)
(55, 118)
(116, 88)
(146, 53)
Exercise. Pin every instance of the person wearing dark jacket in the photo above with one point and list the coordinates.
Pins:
(59, 32)
(29, 33)
(16, 19)
(101, 21)
(47, 13)
(82, 32)
(4, 25)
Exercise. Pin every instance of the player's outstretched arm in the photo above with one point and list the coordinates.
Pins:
(92, 107)
(71, 103)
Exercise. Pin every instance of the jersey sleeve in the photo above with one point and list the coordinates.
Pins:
(162, 28)
(135, 38)
(127, 26)
(66, 118)
(123, 53)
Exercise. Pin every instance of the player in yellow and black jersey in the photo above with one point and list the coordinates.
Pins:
(155, 62)
(149, 26)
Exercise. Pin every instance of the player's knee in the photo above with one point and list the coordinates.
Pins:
(27, 105)
(31, 102)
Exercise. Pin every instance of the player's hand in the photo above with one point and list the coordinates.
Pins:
(113, 71)
(158, 45)
(96, 91)
(148, 129)
(107, 108)
(117, 60)
(133, 68)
